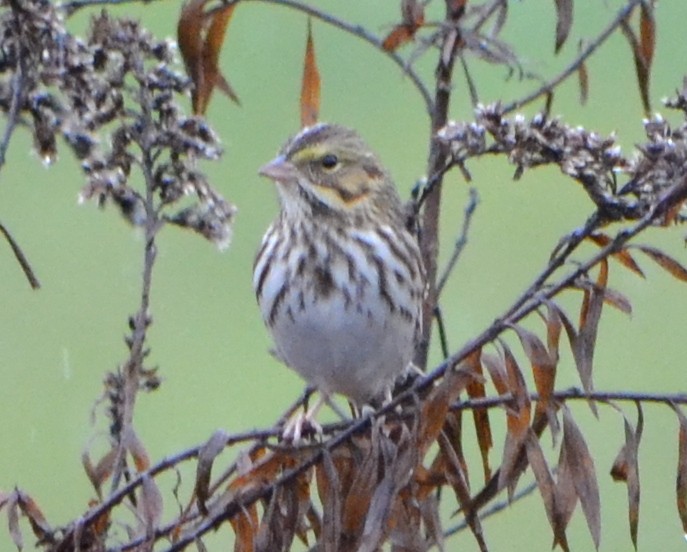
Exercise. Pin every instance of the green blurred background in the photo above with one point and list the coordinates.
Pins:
(208, 340)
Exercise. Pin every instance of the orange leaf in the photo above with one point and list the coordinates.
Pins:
(582, 474)
(212, 48)
(245, 524)
(647, 33)
(564, 18)
(310, 88)
(200, 51)
(665, 261)
(413, 17)
(543, 371)
(475, 390)
(623, 256)
(436, 406)
(398, 36)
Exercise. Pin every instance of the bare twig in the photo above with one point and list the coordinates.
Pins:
(462, 240)
(21, 258)
(438, 155)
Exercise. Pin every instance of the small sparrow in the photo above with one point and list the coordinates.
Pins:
(339, 277)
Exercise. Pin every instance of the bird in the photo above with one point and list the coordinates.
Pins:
(339, 277)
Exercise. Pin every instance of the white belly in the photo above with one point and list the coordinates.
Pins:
(335, 318)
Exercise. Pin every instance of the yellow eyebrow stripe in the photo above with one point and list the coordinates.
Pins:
(308, 154)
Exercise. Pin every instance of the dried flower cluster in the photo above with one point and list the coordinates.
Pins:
(112, 96)
(594, 161)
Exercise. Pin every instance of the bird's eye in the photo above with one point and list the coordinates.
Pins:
(330, 161)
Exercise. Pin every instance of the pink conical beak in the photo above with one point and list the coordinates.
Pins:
(279, 169)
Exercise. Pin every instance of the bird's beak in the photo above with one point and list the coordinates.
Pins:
(279, 169)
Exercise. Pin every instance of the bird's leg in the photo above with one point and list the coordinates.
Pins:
(304, 422)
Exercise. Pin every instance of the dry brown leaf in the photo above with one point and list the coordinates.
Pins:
(39, 525)
(583, 81)
(358, 495)
(13, 521)
(437, 404)
(150, 505)
(564, 19)
(566, 497)
(413, 17)
(665, 261)
(647, 32)
(616, 299)
(585, 341)
(310, 86)
(681, 479)
(214, 446)
(626, 469)
(453, 431)
(554, 324)
(398, 460)
(623, 256)
(136, 449)
(641, 67)
(547, 488)
(329, 490)
(475, 390)
(245, 525)
(211, 50)
(517, 422)
(99, 473)
(543, 370)
(583, 475)
(200, 50)
(459, 483)
(497, 372)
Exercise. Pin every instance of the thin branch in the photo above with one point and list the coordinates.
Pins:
(592, 46)
(441, 328)
(449, 47)
(462, 240)
(575, 393)
(21, 258)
